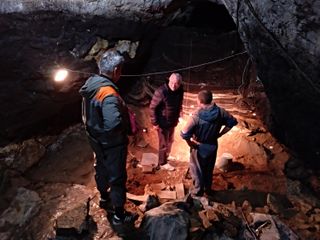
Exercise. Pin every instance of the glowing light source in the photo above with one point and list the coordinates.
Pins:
(61, 75)
(254, 114)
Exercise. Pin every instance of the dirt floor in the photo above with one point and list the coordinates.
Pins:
(65, 175)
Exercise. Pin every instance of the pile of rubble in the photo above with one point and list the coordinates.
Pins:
(166, 213)
(186, 216)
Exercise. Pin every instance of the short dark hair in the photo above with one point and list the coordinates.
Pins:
(205, 96)
(109, 61)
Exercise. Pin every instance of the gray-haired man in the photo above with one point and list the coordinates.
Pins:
(105, 116)
(165, 108)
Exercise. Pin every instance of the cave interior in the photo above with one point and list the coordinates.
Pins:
(47, 162)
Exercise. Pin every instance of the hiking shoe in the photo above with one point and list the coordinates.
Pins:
(167, 167)
(128, 218)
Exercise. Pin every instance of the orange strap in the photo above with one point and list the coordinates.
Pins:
(104, 92)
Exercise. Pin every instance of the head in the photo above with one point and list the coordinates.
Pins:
(204, 97)
(110, 64)
(175, 81)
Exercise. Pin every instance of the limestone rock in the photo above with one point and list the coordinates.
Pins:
(246, 206)
(205, 221)
(5, 236)
(130, 9)
(73, 219)
(30, 153)
(25, 205)
(280, 35)
(152, 202)
(258, 156)
(211, 215)
(168, 221)
(279, 204)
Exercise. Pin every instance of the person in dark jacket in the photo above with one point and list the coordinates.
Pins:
(202, 130)
(106, 120)
(165, 108)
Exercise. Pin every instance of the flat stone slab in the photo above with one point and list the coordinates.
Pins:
(150, 159)
(180, 190)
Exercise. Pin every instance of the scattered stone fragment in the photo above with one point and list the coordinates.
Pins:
(152, 202)
(180, 190)
(211, 215)
(25, 205)
(246, 206)
(73, 220)
(205, 221)
(147, 169)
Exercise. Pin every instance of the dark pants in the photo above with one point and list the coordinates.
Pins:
(201, 170)
(165, 143)
(111, 172)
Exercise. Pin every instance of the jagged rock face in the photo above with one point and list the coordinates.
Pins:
(32, 46)
(283, 39)
(130, 9)
(39, 36)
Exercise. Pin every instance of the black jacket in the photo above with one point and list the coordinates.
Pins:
(105, 114)
(165, 106)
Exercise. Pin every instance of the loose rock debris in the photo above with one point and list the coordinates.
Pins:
(253, 183)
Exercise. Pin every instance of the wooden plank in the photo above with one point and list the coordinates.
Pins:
(147, 169)
(141, 198)
(160, 194)
(180, 190)
(167, 194)
(157, 186)
(150, 159)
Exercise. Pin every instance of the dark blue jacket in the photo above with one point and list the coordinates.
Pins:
(205, 124)
(105, 114)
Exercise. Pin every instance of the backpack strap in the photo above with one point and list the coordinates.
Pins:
(105, 92)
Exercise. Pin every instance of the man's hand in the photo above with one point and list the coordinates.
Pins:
(224, 131)
(192, 144)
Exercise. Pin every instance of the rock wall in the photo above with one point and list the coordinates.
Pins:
(130, 9)
(283, 39)
(32, 47)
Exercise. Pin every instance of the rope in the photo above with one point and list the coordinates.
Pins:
(170, 71)
(243, 76)
(186, 100)
(304, 75)
(186, 68)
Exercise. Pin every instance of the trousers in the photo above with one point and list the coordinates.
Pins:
(165, 143)
(201, 170)
(111, 172)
